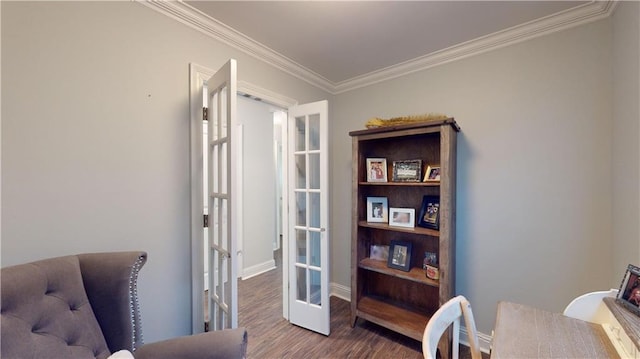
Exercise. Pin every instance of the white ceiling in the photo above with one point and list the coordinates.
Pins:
(346, 44)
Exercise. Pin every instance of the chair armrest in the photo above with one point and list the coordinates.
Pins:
(223, 344)
(110, 280)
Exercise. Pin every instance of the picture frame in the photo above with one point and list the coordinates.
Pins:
(402, 217)
(429, 216)
(629, 292)
(377, 210)
(379, 252)
(400, 255)
(432, 174)
(376, 170)
(407, 171)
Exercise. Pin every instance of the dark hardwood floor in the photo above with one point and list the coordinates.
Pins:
(271, 336)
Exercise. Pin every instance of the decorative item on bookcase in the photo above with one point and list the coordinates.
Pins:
(377, 209)
(407, 171)
(402, 217)
(379, 252)
(629, 293)
(432, 174)
(429, 212)
(376, 170)
(400, 255)
(430, 265)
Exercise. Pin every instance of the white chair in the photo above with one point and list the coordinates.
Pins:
(590, 307)
(449, 314)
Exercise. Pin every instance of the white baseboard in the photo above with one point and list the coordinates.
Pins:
(344, 292)
(340, 291)
(258, 269)
(484, 339)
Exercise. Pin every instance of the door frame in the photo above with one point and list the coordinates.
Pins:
(197, 76)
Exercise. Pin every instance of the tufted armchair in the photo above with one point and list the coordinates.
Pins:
(86, 306)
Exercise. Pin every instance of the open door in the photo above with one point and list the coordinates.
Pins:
(221, 242)
(305, 219)
(308, 234)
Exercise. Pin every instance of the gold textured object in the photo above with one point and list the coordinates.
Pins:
(395, 121)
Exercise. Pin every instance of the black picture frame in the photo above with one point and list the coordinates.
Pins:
(430, 212)
(400, 255)
(629, 292)
(407, 171)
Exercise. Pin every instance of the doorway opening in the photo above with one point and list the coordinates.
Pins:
(259, 197)
(304, 223)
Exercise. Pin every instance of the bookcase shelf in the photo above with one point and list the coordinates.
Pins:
(416, 274)
(387, 227)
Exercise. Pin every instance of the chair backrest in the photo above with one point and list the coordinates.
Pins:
(46, 312)
(449, 314)
(590, 307)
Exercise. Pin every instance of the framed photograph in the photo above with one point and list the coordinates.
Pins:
(407, 171)
(376, 170)
(400, 255)
(432, 174)
(379, 252)
(430, 212)
(377, 209)
(629, 292)
(402, 217)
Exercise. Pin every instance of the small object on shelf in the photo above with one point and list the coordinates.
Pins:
(377, 209)
(400, 255)
(379, 252)
(430, 258)
(429, 212)
(403, 120)
(432, 174)
(402, 217)
(430, 265)
(407, 171)
(376, 170)
(432, 272)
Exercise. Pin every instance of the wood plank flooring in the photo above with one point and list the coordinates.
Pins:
(271, 336)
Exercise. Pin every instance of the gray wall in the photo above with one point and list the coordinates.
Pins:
(534, 218)
(95, 139)
(259, 176)
(626, 135)
(95, 151)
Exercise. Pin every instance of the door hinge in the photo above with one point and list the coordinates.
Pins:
(205, 221)
(205, 114)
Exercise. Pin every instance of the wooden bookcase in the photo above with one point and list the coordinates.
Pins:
(395, 299)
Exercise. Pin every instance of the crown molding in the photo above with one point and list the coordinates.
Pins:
(195, 19)
(589, 12)
(580, 15)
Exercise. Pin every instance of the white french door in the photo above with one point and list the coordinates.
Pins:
(308, 234)
(305, 221)
(221, 243)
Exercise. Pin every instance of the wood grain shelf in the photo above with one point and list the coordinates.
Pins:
(406, 321)
(386, 227)
(402, 184)
(415, 274)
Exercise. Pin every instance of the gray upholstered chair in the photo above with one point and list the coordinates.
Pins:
(86, 306)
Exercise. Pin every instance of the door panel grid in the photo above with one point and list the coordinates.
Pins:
(309, 305)
(222, 272)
